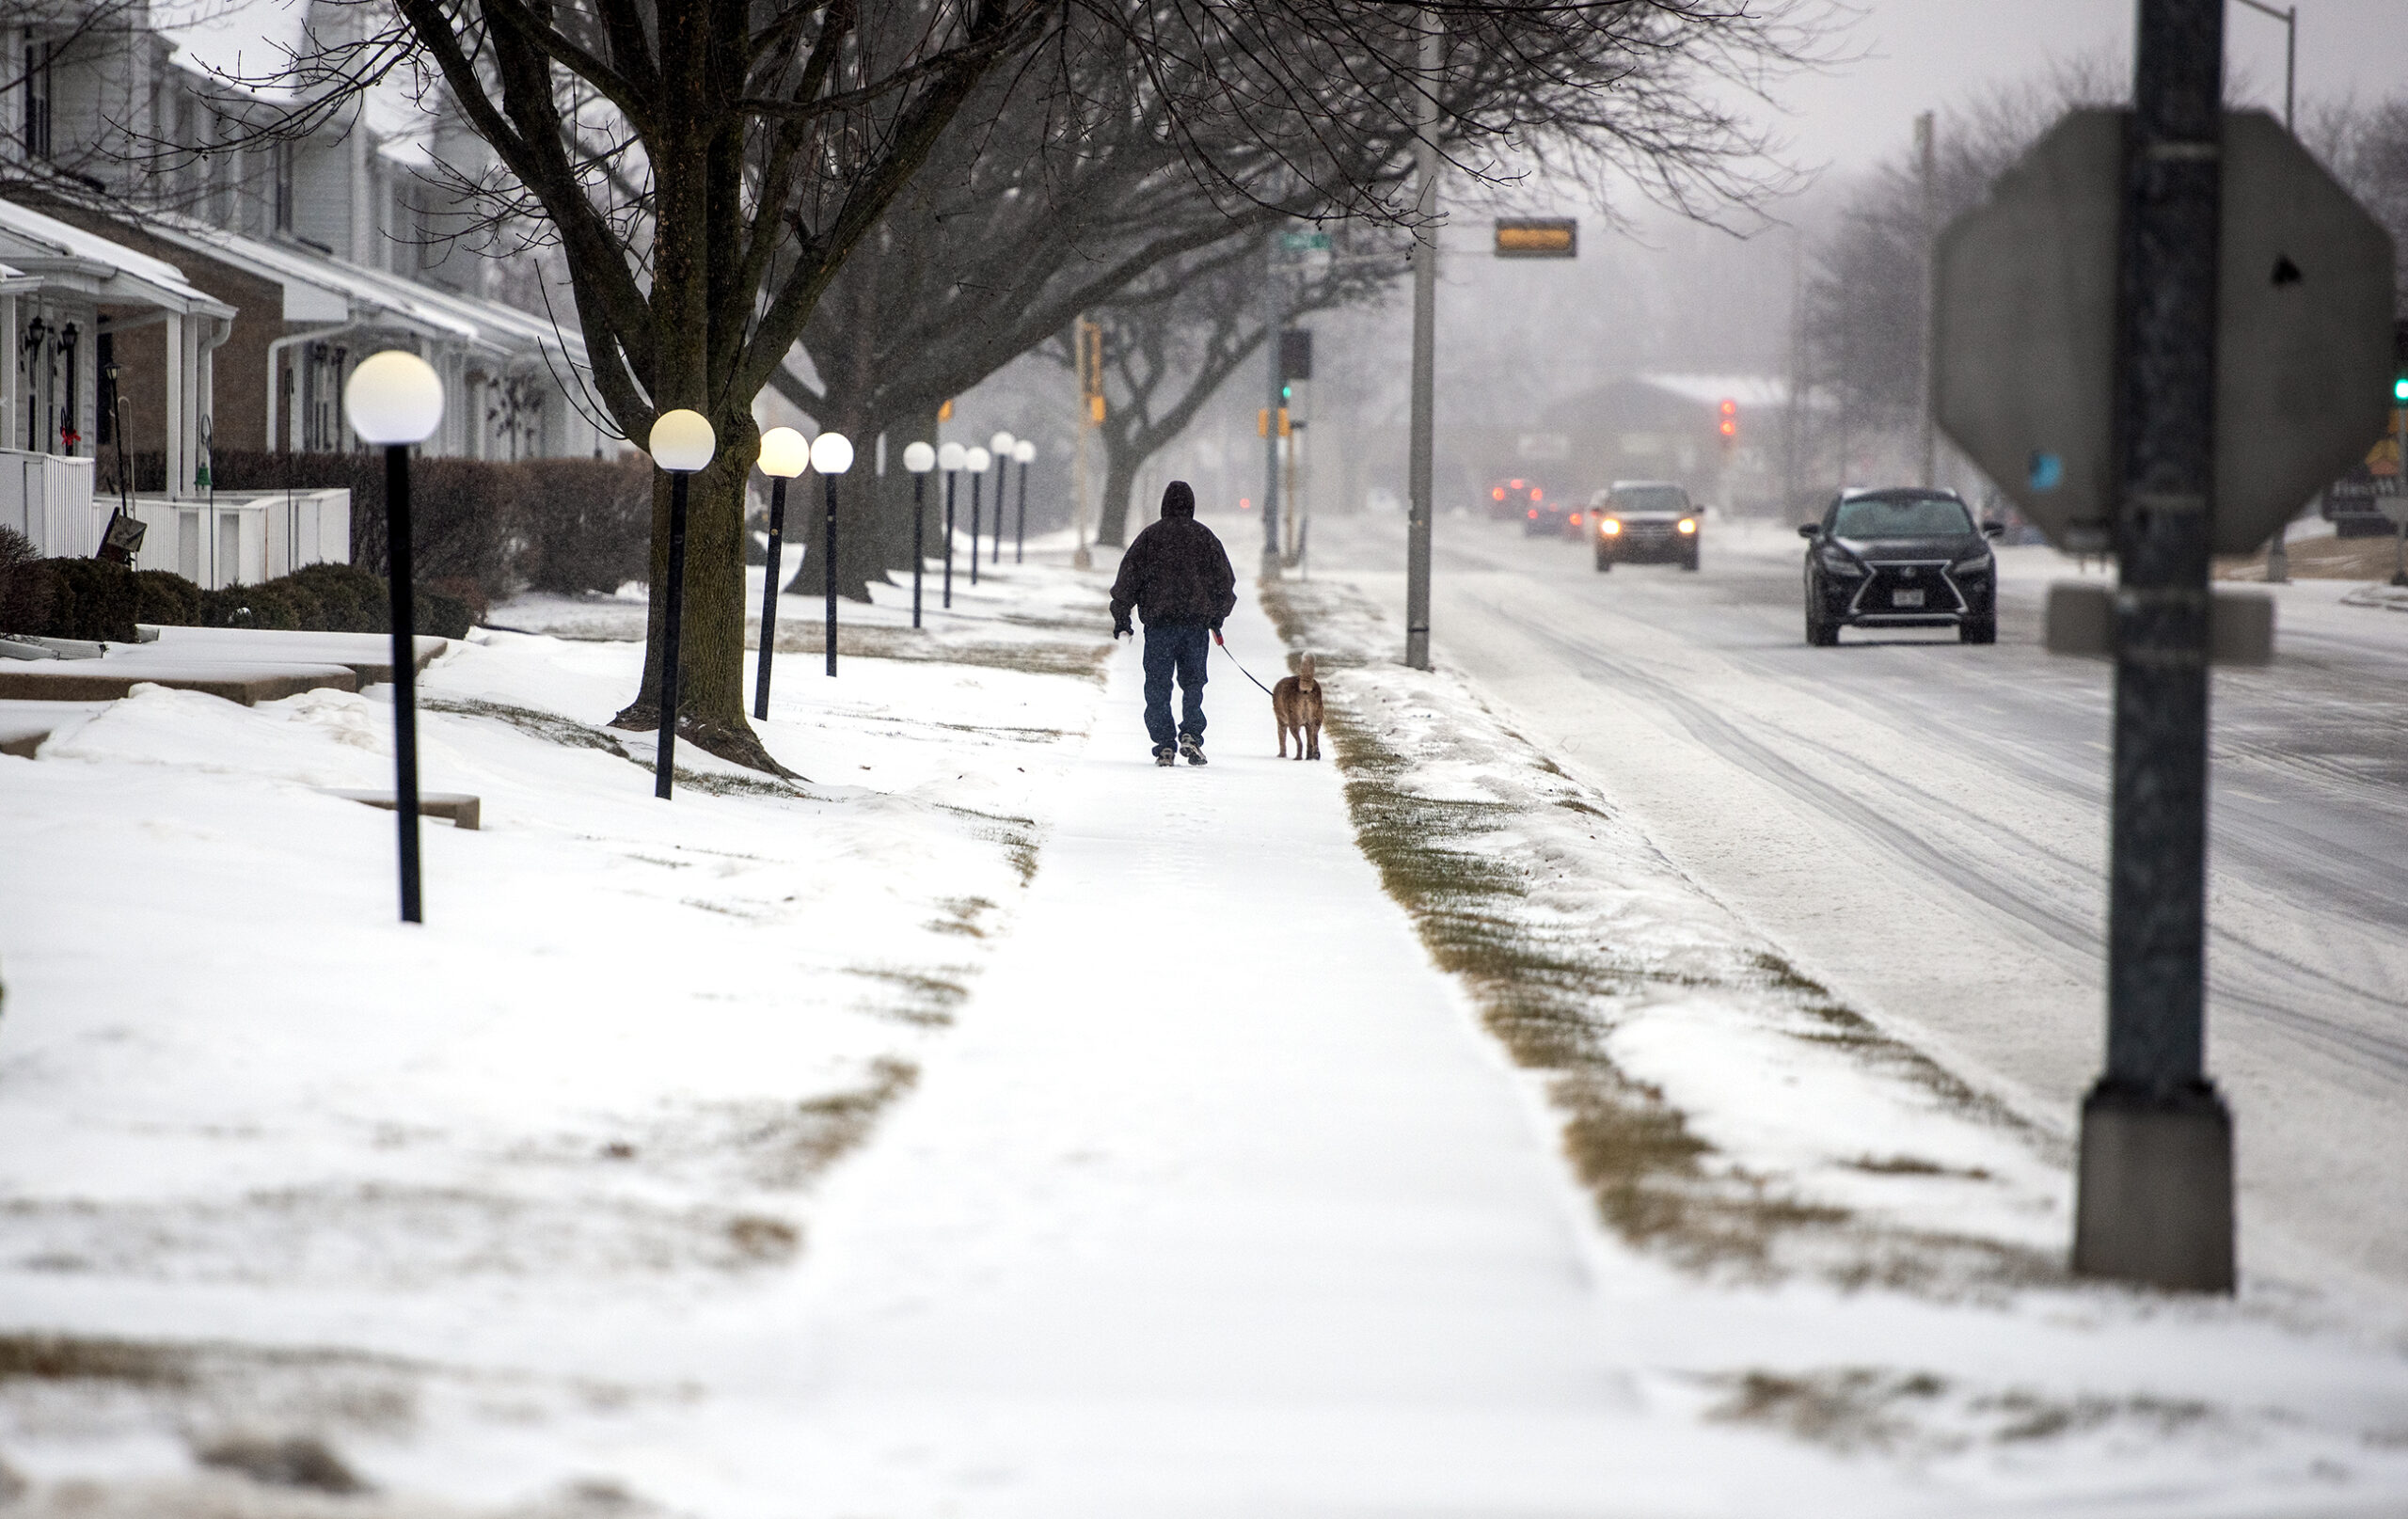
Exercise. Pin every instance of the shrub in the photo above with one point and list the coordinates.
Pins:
(584, 524)
(444, 617)
(350, 599)
(25, 584)
(90, 598)
(165, 599)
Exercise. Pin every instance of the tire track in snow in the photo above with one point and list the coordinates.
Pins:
(2273, 1002)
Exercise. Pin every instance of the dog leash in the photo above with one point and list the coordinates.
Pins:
(1241, 670)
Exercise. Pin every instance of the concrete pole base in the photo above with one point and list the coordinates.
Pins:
(2153, 1192)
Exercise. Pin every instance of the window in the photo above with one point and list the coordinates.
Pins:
(281, 161)
(36, 97)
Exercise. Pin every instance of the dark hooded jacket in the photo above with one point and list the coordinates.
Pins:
(1176, 574)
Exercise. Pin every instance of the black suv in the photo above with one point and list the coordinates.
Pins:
(1907, 558)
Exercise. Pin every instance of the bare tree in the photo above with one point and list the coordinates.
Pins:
(1171, 342)
(708, 167)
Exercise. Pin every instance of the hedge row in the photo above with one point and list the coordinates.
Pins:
(480, 529)
(90, 598)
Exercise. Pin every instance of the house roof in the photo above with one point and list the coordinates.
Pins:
(320, 288)
(1751, 391)
(44, 247)
(242, 44)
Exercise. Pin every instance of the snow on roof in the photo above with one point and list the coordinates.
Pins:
(499, 330)
(249, 42)
(39, 245)
(1750, 391)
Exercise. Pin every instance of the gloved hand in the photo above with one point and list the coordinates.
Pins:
(1122, 630)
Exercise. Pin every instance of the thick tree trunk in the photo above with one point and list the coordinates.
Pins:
(711, 689)
(1120, 467)
(861, 530)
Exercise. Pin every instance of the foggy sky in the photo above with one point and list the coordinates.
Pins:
(1923, 53)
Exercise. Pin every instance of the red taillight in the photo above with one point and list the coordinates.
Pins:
(1496, 494)
(1534, 513)
(1575, 519)
(1537, 494)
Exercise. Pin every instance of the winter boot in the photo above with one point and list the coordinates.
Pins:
(1192, 748)
(1165, 755)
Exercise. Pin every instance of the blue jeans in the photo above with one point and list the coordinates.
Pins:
(1182, 648)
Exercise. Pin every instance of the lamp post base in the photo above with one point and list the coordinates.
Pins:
(2153, 1190)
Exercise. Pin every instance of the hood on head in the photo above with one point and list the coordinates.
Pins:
(1178, 500)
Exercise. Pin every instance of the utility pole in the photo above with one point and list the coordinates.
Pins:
(1425, 337)
(2278, 554)
(1924, 131)
(1274, 322)
(1086, 340)
(2154, 1188)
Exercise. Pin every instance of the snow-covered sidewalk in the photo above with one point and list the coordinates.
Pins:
(1220, 1204)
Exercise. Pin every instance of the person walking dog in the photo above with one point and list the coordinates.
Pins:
(1177, 577)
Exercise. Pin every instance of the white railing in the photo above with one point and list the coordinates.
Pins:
(240, 538)
(49, 499)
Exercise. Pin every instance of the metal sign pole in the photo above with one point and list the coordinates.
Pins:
(1275, 321)
(1425, 315)
(2154, 1200)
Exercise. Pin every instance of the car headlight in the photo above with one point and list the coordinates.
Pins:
(1688, 524)
(1609, 528)
(1978, 565)
(1838, 561)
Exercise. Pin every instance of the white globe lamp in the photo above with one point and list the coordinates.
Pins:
(831, 454)
(784, 453)
(682, 441)
(394, 398)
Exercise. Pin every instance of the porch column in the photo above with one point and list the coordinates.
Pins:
(12, 394)
(177, 422)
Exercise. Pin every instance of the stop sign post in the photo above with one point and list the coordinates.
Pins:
(2162, 333)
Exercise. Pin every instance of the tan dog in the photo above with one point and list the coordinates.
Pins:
(1296, 707)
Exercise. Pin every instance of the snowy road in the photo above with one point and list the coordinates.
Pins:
(1923, 826)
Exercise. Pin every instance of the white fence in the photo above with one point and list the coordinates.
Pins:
(240, 538)
(49, 499)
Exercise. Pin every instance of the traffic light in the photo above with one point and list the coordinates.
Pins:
(2399, 389)
(1287, 392)
(1730, 421)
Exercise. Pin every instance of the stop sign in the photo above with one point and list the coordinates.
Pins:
(2024, 325)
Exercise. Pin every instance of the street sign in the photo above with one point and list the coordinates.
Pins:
(1304, 242)
(2025, 322)
(1538, 237)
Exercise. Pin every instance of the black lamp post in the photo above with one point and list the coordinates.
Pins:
(919, 459)
(682, 442)
(784, 455)
(1025, 454)
(975, 461)
(395, 400)
(1002, 443)
(949, 459)
(832, 454)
